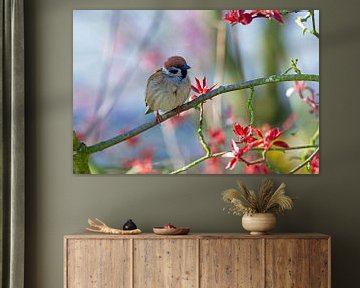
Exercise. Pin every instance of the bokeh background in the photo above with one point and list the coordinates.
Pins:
(115, 51)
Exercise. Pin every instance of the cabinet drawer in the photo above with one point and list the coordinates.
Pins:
(297, 263)
(165, 263)
(231, 263)
(98, 263)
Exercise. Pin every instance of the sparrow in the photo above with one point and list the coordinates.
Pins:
(168, 87)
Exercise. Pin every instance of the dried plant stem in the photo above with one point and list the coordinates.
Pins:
(101, 227)
(246, 202)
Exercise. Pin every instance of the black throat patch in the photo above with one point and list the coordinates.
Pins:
(183, 73)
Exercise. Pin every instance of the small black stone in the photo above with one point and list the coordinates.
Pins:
(129, 225)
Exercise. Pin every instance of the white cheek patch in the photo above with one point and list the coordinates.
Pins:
(167, 72)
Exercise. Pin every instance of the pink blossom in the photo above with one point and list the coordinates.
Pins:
(257, 169)
(235, 155)
(217, 136)
(143, 164)
(314, 164)
(271, 138)
(131, 142)
(306, 94)
(213, 166)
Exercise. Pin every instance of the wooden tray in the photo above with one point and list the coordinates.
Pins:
(171, 231)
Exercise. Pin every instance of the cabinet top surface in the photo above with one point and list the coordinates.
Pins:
(87, 235)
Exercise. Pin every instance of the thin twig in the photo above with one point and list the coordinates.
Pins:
(297, 168)
(301, 20)
(261, 160)
(196, 162)
(220, 90)
(314, 32)
(285, 12)
(258, 161)
(315, 136)
(200, 132)
(250, 106)
(202, 141)
(288, 148)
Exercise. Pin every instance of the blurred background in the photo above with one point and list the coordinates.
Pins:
(115, 51)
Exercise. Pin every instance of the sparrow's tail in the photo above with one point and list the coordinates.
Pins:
(148, 110)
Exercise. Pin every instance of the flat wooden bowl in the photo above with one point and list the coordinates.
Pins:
(171, 231)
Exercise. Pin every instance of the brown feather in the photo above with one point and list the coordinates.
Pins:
(174, 61)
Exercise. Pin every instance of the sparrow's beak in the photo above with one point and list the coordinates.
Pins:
(185, 67)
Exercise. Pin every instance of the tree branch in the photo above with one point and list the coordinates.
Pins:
(80, 157)
(220, 90)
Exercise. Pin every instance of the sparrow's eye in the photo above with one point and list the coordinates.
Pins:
(173, 71)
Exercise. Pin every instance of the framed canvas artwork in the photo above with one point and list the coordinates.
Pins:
(196, 92)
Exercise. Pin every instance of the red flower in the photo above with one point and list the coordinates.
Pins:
(141, 165)
(290, 121)
(235, 155)
(213, 166)
(245, 133)
(256, 169)
(131, 142)
(311, 101)
(80, 136)
(270, 14)
(201, 88)
(217, 136)
(314, 164)
(306, 93)
(245, 18)
(180, 118)
(270, 139)
(299, 88)
(238, 16)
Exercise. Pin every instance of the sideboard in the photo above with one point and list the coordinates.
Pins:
(197, 260)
